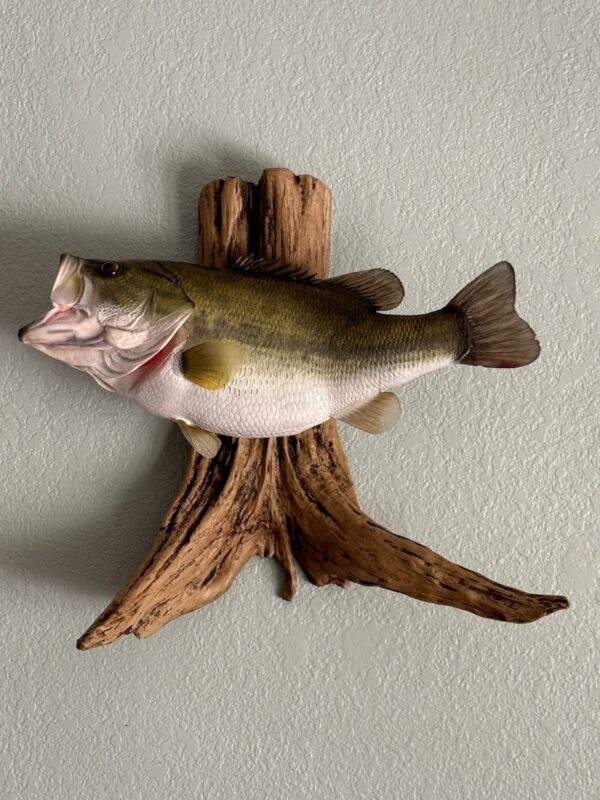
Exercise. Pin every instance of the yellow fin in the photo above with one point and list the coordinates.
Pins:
(212, 365)
(376, 415)
(203, 442)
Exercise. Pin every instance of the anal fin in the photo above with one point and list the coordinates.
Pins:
(376, 415)
(203, 442)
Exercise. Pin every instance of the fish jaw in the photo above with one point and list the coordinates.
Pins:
(69, 284)
(62, 327)
(67, 334)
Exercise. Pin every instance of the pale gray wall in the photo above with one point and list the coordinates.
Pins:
(453, 135)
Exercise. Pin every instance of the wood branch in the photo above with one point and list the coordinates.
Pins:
(283, 497)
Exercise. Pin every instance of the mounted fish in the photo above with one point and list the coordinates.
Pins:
(256, 360)
(260, 351)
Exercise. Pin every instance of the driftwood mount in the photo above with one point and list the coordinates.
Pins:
(285, 498)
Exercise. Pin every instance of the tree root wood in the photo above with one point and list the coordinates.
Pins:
(287, 498)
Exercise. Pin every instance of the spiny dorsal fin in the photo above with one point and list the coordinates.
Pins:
(376, 415)
(258, 266)
(375, 289)
(212, 365)
(378, 289)
(203, 442)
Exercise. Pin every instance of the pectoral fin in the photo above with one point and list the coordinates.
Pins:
(203, 442)
(376, 415)
(212, 365)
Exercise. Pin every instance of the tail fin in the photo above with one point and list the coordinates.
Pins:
(497, 336)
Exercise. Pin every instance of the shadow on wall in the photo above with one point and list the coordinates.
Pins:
(30, 246)
(99, 555)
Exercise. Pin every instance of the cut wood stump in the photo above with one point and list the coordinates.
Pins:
(289, 498)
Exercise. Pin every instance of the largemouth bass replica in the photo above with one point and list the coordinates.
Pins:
(258, 350)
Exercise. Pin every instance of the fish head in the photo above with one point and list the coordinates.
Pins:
(108, 318)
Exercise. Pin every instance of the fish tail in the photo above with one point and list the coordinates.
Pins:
(496, 336)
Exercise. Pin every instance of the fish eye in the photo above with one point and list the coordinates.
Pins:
(109, 269)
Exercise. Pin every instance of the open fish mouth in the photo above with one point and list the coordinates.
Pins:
(68, 323)
(109, 318)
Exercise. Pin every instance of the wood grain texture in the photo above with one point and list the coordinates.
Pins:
(285, 498)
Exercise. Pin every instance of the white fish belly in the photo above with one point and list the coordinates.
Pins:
(245, 407)
(253, 407)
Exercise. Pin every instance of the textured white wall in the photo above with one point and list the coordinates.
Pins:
(453, 135)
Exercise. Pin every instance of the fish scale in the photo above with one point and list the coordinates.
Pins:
(271, 353)
(310, 358)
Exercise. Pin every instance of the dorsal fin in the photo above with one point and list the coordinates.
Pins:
(258, 266)
(374, 289)
(378, 289)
